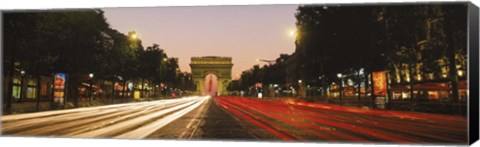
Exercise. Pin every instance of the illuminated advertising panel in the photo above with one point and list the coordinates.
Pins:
(379, 83)
(59, 87)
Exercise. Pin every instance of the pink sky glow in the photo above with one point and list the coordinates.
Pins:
(244, 33)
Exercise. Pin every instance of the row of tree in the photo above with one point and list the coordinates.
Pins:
(78, 43)
(270, 74)
(406, 40)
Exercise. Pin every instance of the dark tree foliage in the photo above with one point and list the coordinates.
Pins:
(78, 43)
(413, 43)
(268, 74)
(186, 82)
(426, 38)
(151, 63)
(335, 39)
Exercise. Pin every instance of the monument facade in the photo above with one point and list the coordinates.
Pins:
(221, 67)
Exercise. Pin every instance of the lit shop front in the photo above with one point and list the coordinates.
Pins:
(430, 91)
(348, 91)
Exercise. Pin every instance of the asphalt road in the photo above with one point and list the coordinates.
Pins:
(289, 119)
(236, 118)
(192, 118)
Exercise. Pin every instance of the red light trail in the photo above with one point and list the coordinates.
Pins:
(303, 121)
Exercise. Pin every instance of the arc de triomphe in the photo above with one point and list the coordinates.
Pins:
(221, 67)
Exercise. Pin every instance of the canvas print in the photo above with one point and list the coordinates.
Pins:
(370, 73)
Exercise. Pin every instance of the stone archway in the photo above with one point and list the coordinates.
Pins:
(221, 67)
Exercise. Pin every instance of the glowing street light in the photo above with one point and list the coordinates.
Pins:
(340, 91)
(22, 72)
(292, 33)
(460, 73)
(90, 87)
(133, 35)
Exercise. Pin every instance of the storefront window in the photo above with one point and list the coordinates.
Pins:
(17, 81)
(31, 92)
(433, 95)
(46, 87)
(406, 95)
(397, 95)
(17, 88)
(32, 89)
(16, 91)
(462, 94)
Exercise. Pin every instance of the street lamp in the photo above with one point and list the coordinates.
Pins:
(460, 73)
(266, 61)
(90, 86)
(133, 35)
(340, 91)
(292, 33)
(22, 73)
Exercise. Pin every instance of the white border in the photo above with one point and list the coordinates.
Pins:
(65, 4)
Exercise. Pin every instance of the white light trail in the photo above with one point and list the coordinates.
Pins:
(132, 120)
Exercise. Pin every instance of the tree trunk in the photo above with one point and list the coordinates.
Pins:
(358, 84)
(154, 90)
(104, 97)
(324, 87)
(124, 88)
(372, 93)
(113, 91)
(9, 97)
(73, 84)
(453, 75)
(451, 56)
(52, 91)
(366, 83)
(22, 88)
(410, 75)
(39, 86)
(150, 94)
(142, 93)
(10, 83)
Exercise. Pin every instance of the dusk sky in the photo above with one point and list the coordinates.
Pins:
(244, 33)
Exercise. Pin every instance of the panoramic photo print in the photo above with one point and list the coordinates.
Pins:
(367, 73)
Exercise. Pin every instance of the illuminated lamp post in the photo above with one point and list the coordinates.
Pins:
(321, 86)
(460, 73)
(90, 87)
(340, 91)
(301, 89)
(22, 73)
